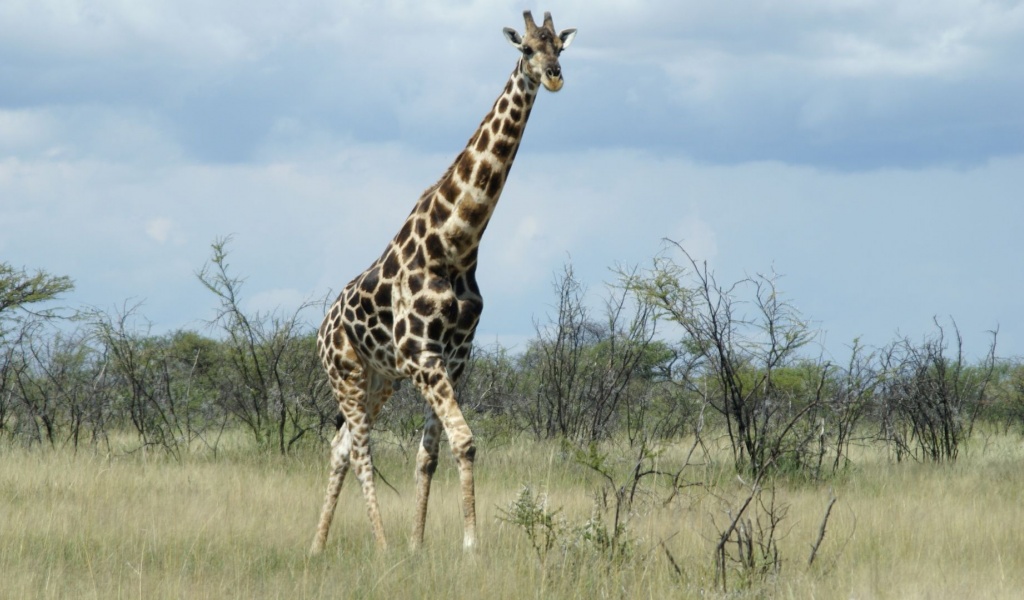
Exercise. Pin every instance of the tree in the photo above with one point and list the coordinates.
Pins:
(742, 359)
(18, 289)
(590, 372)
(274, 373)
(930, 399)
(19, 325)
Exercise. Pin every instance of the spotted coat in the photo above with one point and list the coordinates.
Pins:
(413, 313)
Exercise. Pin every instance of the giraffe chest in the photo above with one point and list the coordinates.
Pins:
(436, 312)
(392, 321)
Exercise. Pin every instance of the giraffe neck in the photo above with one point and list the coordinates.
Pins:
(460, 204)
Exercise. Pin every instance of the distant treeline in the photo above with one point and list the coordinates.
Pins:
(670, 353)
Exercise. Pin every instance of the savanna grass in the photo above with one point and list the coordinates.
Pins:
(91, 525)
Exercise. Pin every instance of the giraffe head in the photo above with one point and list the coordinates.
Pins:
(540, 47)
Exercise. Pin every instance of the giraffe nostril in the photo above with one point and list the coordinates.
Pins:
(554, 71)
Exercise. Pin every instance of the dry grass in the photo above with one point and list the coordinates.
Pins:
(86, 526)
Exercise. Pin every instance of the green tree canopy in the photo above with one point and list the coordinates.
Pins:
(19, 288)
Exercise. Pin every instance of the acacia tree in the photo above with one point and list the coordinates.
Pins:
(19, 290)
(1008, 398)
(144, 381)
(930, 398)
(273, 387)
(56, 388)
(737, 351)
(586, 369)
(849, 400)
(21, 293)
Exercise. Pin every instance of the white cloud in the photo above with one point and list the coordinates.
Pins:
(848, 243)
(309, 129)
(160, 229)
(823, 83)
(942, 53)
(200, 33)
(698, 238)
(24, 129)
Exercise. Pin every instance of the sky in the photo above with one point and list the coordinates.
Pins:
(869, 152)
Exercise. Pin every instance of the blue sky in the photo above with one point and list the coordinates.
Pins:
(871, 152)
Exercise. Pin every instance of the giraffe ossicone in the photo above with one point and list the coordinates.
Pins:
(413, 313)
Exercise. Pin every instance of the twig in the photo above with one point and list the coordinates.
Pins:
(720, 548)
(385, 481)
(671, 559)
(821, 530)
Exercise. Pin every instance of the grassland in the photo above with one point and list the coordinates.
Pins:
(89, 525)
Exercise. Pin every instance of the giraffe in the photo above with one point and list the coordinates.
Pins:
(412, 314)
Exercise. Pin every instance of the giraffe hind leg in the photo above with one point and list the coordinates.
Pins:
(426, 464)
(362, 464)
(341, 448)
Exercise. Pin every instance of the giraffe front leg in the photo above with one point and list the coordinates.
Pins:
(436, 387)
(426, 464)
(341, 446)
(464, 450)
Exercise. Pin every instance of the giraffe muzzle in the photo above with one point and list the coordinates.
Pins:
(552, 79)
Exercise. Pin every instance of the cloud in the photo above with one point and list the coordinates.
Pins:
(26, 129)
(698, 237)
(849, 244)
(160, 229)
(836, 84)
(862, 147)
(851, 85)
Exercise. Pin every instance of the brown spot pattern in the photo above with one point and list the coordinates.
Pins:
(414, 312)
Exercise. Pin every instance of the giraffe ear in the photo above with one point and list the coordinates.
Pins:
(567, 36)
(513, 38)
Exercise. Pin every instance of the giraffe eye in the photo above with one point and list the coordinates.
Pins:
(527, 51)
